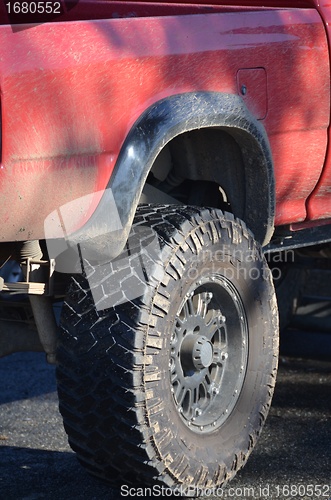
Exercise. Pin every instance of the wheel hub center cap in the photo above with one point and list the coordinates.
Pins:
(203, 353)
(197, 352)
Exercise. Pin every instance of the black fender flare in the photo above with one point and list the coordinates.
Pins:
(158, 125)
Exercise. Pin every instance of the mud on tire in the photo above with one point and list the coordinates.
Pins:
(168, 355)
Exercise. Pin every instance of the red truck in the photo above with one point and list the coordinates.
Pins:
(152, 155)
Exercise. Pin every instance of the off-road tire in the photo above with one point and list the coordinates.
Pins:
(122, 364)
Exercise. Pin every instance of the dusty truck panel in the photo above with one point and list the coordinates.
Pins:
(159, 163)
(72, 91)
(319, 204)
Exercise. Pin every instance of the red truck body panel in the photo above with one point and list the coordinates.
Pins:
(319, 202)
(70, 92)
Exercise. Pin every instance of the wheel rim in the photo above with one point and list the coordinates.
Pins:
(208, 354)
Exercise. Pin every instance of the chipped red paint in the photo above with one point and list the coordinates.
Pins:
(70, 92)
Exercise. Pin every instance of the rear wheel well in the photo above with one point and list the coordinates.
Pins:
(203, 167)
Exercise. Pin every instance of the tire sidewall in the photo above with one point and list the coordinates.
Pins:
(235, 432)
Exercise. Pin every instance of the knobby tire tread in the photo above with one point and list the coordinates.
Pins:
(106, 370)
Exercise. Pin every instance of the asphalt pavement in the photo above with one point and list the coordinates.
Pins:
(292, 459)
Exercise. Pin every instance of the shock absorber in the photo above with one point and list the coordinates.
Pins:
(41, 305)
